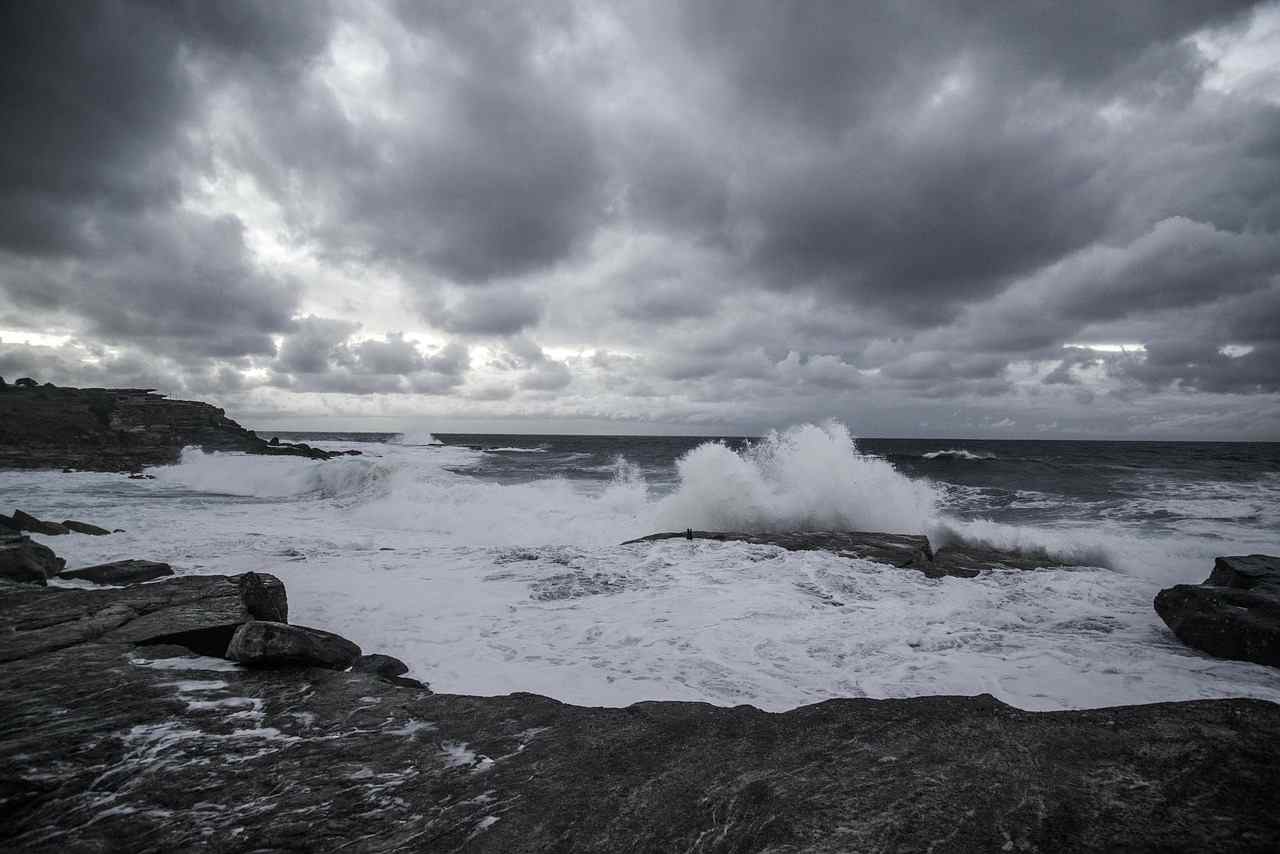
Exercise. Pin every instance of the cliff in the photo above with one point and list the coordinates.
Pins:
(121, 429)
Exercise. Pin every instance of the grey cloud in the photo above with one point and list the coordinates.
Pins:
(320, 355)
(490, 311)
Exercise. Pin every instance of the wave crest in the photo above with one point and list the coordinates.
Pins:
(957, 454)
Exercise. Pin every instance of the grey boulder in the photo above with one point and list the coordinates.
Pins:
(265, 643)
(380, 665)
(121, 572)
(25, 561)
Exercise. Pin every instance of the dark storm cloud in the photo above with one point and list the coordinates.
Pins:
(99, 100)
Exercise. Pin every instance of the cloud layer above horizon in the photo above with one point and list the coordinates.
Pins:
(918, 218)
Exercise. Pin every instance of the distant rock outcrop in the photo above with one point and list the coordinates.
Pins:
(907, 551)
(97, 429)
(1234, 614)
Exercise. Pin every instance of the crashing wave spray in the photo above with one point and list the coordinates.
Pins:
(415, 439)
(810, 477)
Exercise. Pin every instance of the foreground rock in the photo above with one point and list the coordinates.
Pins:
(98, 429)
(24, 561)
(121, 572)
(908, 551)
(1234, 614)
(155, 753)
(108, 745)
(274, 644)
(198, 612)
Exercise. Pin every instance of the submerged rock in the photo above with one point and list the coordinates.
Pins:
(273, 644)
(381, 665)
(1234, 614)
(907, 551)
(84, 528)
(27, 522)
(121, 572)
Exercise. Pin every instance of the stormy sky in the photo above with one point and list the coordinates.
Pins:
(1014, 219)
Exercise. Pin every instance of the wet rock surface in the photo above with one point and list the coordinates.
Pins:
(907, 551)
(156, 750)
(1234, 614)
(122, 739)
(121, 572)
(116, 429)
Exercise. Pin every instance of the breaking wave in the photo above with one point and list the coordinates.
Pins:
(415, 438)
(957, 454)
(809, 477)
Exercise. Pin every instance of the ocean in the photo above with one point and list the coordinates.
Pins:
(492, 563)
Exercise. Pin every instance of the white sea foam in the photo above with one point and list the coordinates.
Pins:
(538, 450)
(489, 588)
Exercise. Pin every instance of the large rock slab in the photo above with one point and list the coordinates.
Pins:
(121, 572)
(201, 612)
(907, 551)
(1234, 614)
(105, 750)
(23, 560)
(273, 644)
(84, 528)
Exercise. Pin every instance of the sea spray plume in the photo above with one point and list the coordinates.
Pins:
(809, 477)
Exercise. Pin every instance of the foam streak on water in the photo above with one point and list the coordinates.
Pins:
(491, 584)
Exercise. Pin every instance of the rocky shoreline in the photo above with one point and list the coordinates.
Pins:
(95, 429)
(120, 736)
(187, 712)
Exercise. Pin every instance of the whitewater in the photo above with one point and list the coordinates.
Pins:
(490, 570)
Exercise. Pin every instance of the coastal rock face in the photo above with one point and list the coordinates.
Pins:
(199, 612)
(273, 644)
(116, 429)
(907, 551)
(1234, 614)
(121, 572)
